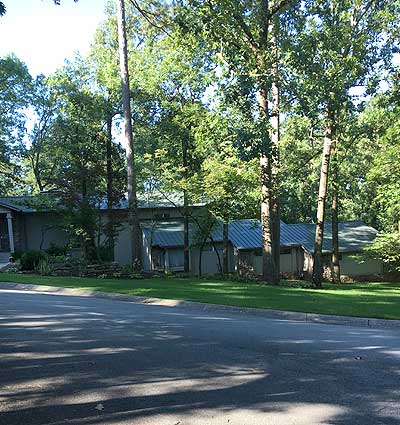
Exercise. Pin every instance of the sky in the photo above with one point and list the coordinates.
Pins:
(43, 35)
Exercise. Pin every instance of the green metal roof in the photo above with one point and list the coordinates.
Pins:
(354, 236)
(151, 200)
(15, 203)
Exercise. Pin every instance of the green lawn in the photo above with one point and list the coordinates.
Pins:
(379, 300)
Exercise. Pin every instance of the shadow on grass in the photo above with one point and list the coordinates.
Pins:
(375, 300)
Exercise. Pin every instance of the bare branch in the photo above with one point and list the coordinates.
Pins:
(151, 17)
(277, 8)
(246, 30)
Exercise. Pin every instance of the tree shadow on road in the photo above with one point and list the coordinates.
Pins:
(87, 362)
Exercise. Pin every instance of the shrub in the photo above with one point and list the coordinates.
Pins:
(44, 268)
(60, 259)
(30, 259)
(105, 254)
(56, 251)
(387, 248)
(127, 272)
(17, 255)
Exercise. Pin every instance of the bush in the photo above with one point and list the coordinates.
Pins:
(105, 254)
(60, 259)
(17, 255)
(387, 248)
(44, 268)
(30, 259)
(56, 251)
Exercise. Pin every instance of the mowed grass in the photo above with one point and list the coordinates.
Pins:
(375, 300)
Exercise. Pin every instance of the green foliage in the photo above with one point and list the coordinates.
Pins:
(340, 44)
(229, 184)
(300, 152)
(387, 248)
(56, 251)
(17, 255)
(197, 71)
(128, 272)
(15, 86)
(38, 157)
(105, 254)
(205, 224)
(337, 46)
(44, 267)
(381, 142)
(31, 259)
(68, 152)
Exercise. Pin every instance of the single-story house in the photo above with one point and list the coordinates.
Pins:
(164, 248)
(28, 223)
(25, 227)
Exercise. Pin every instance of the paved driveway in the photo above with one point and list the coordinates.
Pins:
(87, 361)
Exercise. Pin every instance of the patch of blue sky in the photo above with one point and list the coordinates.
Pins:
(43, 35)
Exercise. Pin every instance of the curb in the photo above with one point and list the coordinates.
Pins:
(261, 312)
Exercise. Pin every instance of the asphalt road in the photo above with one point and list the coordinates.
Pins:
(88, 361)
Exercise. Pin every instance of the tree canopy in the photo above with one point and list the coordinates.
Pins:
(231, 102)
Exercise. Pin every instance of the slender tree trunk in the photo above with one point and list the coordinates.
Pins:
(201, 257)
(269, 269)
(225, 257)
(88, 240)
(128, 135)
(186, 246)
(110, 200)
(335, 268)
(216, 252)
(186, 243)
(34, 160)
(275, 138)
(323, 186)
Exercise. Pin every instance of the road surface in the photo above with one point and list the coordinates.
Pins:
(89, 361)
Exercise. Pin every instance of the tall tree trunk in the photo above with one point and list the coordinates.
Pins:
(335, 267)
(186, 244)
(88, 239)
(323, 186)
(225, 252)
(269, 269)
(110, 200)
(275, 138)
(36, 173)
(213, 243)
(128, 135)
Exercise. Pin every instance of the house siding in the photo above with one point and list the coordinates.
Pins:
(291, 262)
(41, 231)
(209, 260)
(123, 245)
(353, 265)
